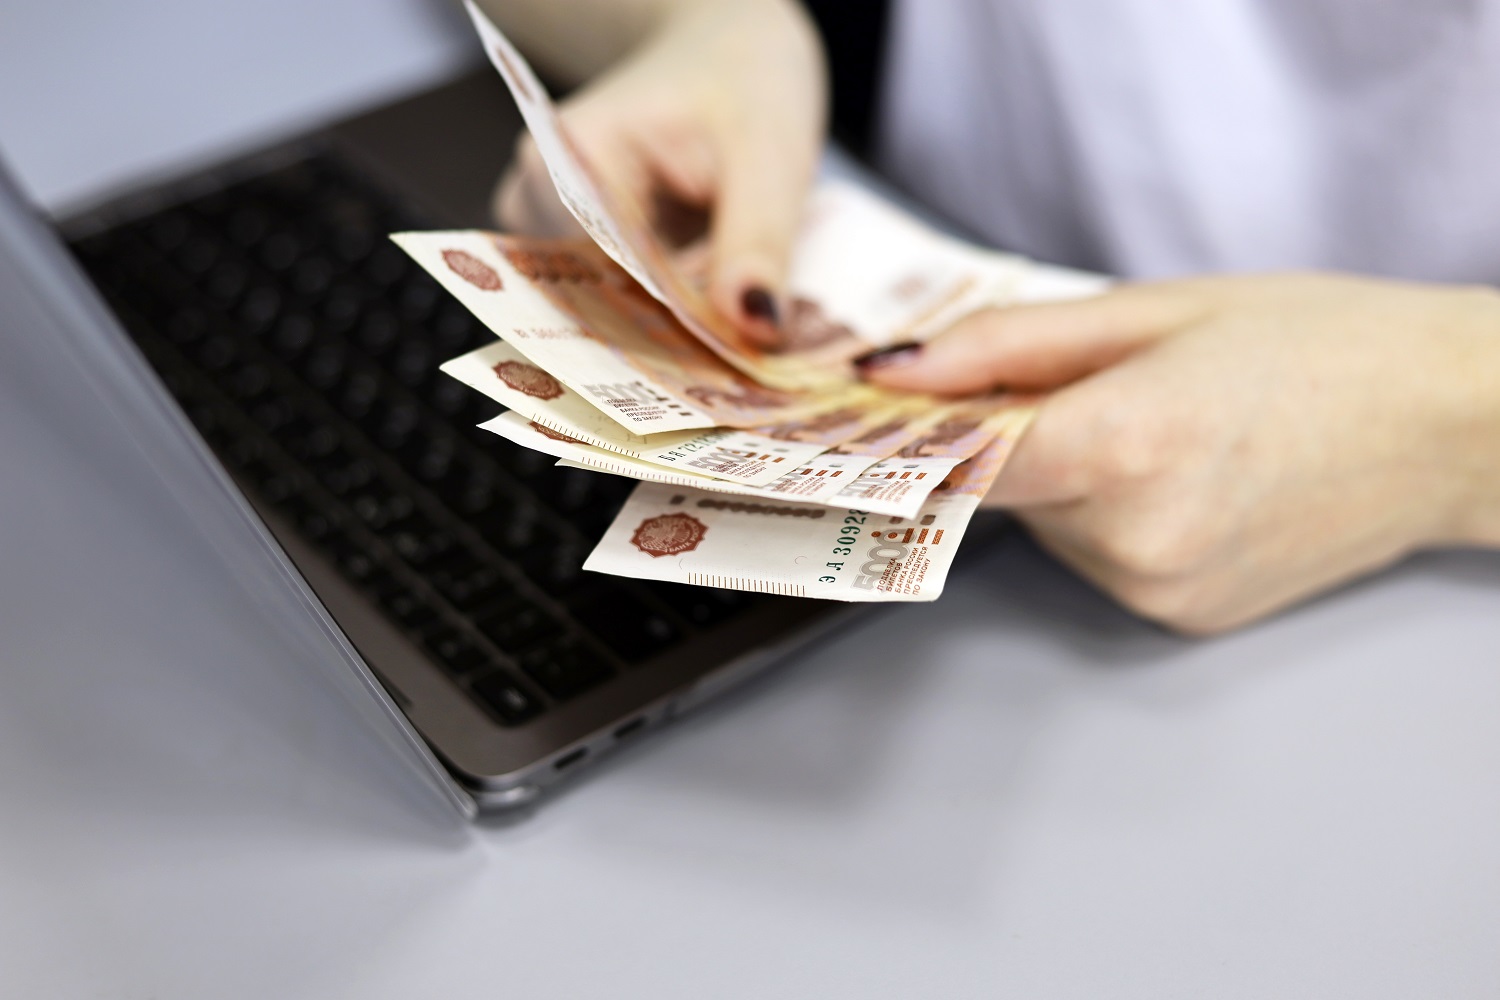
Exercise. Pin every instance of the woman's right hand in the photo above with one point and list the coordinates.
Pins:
(717, 116)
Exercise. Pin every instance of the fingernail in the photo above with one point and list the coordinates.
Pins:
(893, 356)
(758, 304)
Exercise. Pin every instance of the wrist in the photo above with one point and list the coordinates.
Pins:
(1476, 437)
(768, 52)
(784, 22)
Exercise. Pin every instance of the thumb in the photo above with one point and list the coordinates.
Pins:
(1052, 462)
(1065, 455)
(1034, 346)
(757, 213)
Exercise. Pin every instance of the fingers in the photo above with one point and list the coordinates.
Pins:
(763, 188)
(1035, 346)
(757, 201)
(1087, 481)
(1109, 431)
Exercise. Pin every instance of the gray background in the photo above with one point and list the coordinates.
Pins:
(1019, 791)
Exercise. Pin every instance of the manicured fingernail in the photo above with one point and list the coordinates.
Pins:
(893, 356)
(758, 304)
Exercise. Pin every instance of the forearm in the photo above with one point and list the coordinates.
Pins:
(1477, 435)
(575, 40)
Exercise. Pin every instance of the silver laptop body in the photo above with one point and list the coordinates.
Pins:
(440, 150)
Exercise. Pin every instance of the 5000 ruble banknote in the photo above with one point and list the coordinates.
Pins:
(691, 536)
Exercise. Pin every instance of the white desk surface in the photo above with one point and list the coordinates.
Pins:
(1017, 792)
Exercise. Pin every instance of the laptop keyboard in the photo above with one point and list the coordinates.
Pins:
(304, 347)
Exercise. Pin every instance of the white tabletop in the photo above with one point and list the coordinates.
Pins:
(1018, 791)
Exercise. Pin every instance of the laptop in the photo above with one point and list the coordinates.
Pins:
(277, 358)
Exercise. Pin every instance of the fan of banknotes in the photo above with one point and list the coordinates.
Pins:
(774, 471)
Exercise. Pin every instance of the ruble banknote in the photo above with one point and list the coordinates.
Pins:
(683, 535)
(779, 470)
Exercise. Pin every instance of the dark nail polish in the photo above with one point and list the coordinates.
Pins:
(903, 353)
(758, 304)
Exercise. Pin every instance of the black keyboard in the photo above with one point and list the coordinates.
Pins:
(304, 347)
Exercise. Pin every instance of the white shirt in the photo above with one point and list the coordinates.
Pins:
(1161, 137)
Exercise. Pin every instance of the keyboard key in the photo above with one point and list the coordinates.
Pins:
(280, 250)
(523, 531)
(353, 247)
(430, 459)
(506, 698)
(565, 669)
(702, 606)
(381, 508)
(243, 453)
(314, 524)
(248, 225)
(574, 489)
(519, 624)
(341, 308)
(414, 363)
(420, 548)
(525, 463)
(187, 326)
(346, 475)
(250, 382)
(449, 396)
(291, 336)
(474, 495)
(312, 275)
(453, 650)
(388, 264)
(455, 331)
(361, 394)
(317, 443)
(259, 309)
(324, 367)
(217, 352)
(377, 331)
(623, 622)
(273, 414)
(476, 410)
(357, 565)
(483, 586)
(418, 298)
(556, 568)
(454, 562)
(168, 231)
(227, 283)
(397, 426)
(197, 256)
(408, 609)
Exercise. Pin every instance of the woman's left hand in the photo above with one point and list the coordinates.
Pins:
(1216, 449)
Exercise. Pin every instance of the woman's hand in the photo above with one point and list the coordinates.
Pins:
(1220, 448)
(717, 115)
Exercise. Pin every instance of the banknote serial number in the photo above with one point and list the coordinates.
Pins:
(877, 558)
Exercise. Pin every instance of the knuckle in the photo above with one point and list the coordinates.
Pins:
(1132, 449)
